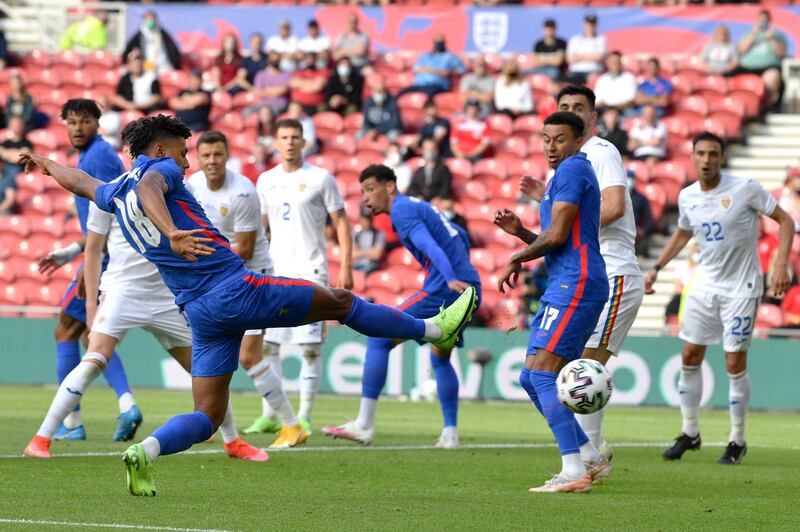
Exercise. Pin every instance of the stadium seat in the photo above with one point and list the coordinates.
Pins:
(499, 189)
(384, 296)
(40, 204)
(244, 99)
(669, 171)
(343, 144)
(31, 182)
(38, 58)
(769, 316)
(348, 169)
(377, 146)
(11, 296)
(751, 83)
(352, 123)
(500, 126)
(540, 82)
(401, 256)
(728, 105)
(46, 225)
(506, 313)
(732, 123)
(471, 189)
(713, 83)
(69, 58)
(514, 147)
(694, 104)
(7, 275)
(102, 58)
(751, 101)
(656, 196)
(676, 125)
(461, 169)
(716, 127)
(640, 169)
(324, 161)
(482, 260)
(489, 168)
(14, 225)
(328, 124)
(532, 167)
(448, 103)
(684, 82)
(527, 125)
(43, 140)
(383, 280)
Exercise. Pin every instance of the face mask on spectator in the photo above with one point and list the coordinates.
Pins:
(151, 25)
(343, 70)
(631, 183)
(393, 158)
(321, 63)
(379, 97)
(429, 155)
(439, 47)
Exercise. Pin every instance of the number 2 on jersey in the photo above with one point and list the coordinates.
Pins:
(713, 231)
(550, 315)
(136, 222)
(285, 209)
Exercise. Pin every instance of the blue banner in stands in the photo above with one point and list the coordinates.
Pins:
(471, 29)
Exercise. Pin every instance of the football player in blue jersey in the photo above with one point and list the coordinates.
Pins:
(220, 298)
(574, 299)
(442, 249)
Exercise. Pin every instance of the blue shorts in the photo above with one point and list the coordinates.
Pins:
(248, 300)
(72, 305)
(564, 328)
(424, 304)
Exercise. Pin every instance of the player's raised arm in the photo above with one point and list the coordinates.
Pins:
(676, 243)
(70, 179)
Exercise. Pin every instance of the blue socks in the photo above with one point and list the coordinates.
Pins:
(182, 431)
(68, 356)
(376, 365)
(383, 322)
(115, 375)
(446, 388)
(526, 381)
(569, 435)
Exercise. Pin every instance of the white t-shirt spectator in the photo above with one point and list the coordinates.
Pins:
(515, 97)
(641, 131)
(289, 45)
(580, 45)
(317, 44)
(615, 91)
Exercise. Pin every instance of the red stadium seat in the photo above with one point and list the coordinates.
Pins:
(328, 124)
(532, 167)
(728, 105)
(684, 81)
(222, 101)
(324, 161)
(38, 58)
(540, 82)
(716, 127)
(482, 260)
(40, 204)
(384, 280)
(244, 99)
(461, 169)
(14, 225)
(528, 125)
(692, 104)
(384, 296)
(7, 275)
(676, 125)
(69, 58)
(491, 168)
(401, 256)
(344, 144)
(31, 182)
(500, 126)
(751, 101)
(732, 123)
(656, 197)
(669, 171)
(448, 103)
(46, 225)
(101, 58)
(43, 140)
(377, 146)
(471, 189)
(481, 229)
(752, 83)
(714, 83)
(352, 123)
(769, 316)
(516, 147)
(503, 189)
(11, 296)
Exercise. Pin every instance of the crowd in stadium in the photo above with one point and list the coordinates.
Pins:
(457, 130)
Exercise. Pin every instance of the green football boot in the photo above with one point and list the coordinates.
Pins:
(263, 425)
(453, 318)
(139, 471)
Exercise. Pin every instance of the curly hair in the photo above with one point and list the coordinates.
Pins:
(380, 172)
(140, 134)
(80, 106)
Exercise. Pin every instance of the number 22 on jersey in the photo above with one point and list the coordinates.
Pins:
(137, 223)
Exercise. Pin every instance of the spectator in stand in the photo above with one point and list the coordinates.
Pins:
(549, 53)
(720, 55)
(4, 62)
(790, 306)
(251, 65)
(12, 147)
(110, 122)
(316, 41)
(369, 244)
(345, 88)
(295, 111)
(648, 137)
(157, 47)
(447, 207)
(645, 225)
(478, 85)
(265, 130)
(8, 194)
(381, 114)
(272, 86)
(435, 127)
(433, 179)
(87, 34)
(655, 90)
(308, 83)
(470, 137)
(433, 70)
(137, 90)
(790, 198)
(394, 160)
(685, 278)
(259, 162)
(193, 104)
(20, 104)
(609, 128)
(762, 52)
(586, 51)
(353, 44)
(225, 72)
(285, 45)
(616, 88)
(512, 94)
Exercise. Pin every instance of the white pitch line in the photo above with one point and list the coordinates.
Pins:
(366, 448)
(40, 522)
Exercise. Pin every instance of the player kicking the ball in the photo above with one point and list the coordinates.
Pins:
(443, 251)
(574, 299)
(220, 297)
(721, 212)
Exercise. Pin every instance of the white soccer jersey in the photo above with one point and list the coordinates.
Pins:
(725, 225)
(127, 270)
(297, 205)
(234, 208)
(617, 239)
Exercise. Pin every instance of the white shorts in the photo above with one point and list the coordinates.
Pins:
(625, 297)
(258, 332)
(311, 333)
(118, 313)
(709, 318)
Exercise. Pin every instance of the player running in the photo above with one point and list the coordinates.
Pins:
(296, 199)
(221, 299)
(231, 204)
(721, 212)
(442, 249)
(617, 245)
(133, 295)
(98, 159)
(574, 299)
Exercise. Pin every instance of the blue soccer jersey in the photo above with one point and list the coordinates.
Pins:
(100, 161)
(442, 248)
(576, 268)
(187, 280)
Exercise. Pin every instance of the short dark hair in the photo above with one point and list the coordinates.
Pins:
(614, 52)
(380, 172)
(288, 123)
(80, 106)
(212, 137)
(655, 60)
(709, 136)
(577, 90)
(140, 134)
(550, 23)
(564, 118)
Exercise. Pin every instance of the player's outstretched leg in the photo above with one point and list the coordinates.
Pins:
(447, 390)
(68, 355)
(130, 417)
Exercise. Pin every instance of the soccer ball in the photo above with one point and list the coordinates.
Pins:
(584, 386)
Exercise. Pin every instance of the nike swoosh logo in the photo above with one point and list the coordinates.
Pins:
(74, 392)
(267, 394)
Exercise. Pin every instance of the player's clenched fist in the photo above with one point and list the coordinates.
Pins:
(187, 245)
(508, 221)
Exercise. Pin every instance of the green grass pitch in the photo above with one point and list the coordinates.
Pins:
(398, 483)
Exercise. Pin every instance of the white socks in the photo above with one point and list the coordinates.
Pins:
(690, 387)
(738, 401)
(432, 331)
(73, 420)
(70, 392)
(228, 429)
(592, 425)
(268, 384)
(572, 466)
(272, 356)
(366, 414)
(589, 453)
(152, 448)
(126, 402)
(309, 383)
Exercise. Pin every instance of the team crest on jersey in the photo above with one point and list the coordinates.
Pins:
(726, 202)
(224, 210)
(302, 187)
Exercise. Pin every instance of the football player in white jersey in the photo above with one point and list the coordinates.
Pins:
(133, 295)
(231, 203)
(296, 200)
(721, 212)
(617, 242)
